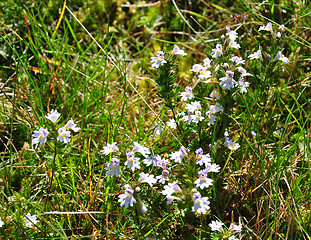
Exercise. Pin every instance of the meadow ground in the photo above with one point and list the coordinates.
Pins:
(155, 120)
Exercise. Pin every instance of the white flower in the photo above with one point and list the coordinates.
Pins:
(30, 220)
(237, 60)
(141, 149)
(212, 167)
(228, 81)
(113, 167)
(126, 199)
(203, 181)
(197, 117)
(243, 71)
(158, 60)
(110, 148)
(201, 158)
(142, 207)
(40, 136)
(171, 188)
(63, 135)
(1, 223)
(216, 226)
(171, 123)
(268, 27)
(207, 62)
(232, 35)
(215, 94)
(231, 144)
(157, 130)
(255, 55)
(232, 238)
(234, 45)
(234, 227)
(178, 51)
(201, 204)
(170, 199)
(204, 74)
(194, 106)
(163, 177)
(243, 85)
(280, 56)
(215, 108)
(71, 125)
(132, 162)
(187, 94)
(196, 68)
(53, 116)
(179, 155)
(216, 52)
(147, 178)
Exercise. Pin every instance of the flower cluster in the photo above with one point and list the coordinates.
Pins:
(217, 229)
(40, 135)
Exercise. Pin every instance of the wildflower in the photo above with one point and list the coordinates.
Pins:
(163, 177)
(194, 106)
(231, 144)
(113, 167)
(211, 118)
(63, 135)
(187, 94)
(243, 71)
(53, 116)
(71, 125)
(157, 130)
(158, 60)
(178, 51)
(243, 85)
(237, 60)
(132, 162)
(142, 207)
(207, 62)
(214, 94)
(280, 56)
(228, 81)
(40, 136)
(232, 35)
(147, 178)
(110, 148)
(203, 181)
(212, 167)
(196, 68)
(170, 199)
(179, 155)
(162, 162)
(216, 226)
(217, 51)
(204, 74)
(197, 117)
(232, 238)
(171, 123)
(201, 158)
(255, 55)
(268, 27)
(234, 227)
(126, 199)
(1, 223)
(30, 220)
(234, 45)
(141, 149)
(201, 204)
(171, 188)
(215, 108)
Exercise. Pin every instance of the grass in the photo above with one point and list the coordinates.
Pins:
(96, 69)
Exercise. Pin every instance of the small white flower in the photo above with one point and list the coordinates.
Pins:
(207, 63)
(30, 220)
(163, 177)
(197, 117)
(147, 178)
(158, 60)
(53, 116)
(243, 85)
(212, 167)
(232, 35)
(236, 228)
(126, 199)
(132, 162)
(232, 238)
(194, 106)
(63, 135)
(113, 168)
(255, 55)
(171, 123)
(215, 94)
(196, 68)
(141, 149)
(71, 125)
(142, 207)
(204, 74)
(280, 56)
(171, 188)
(237, 60)
(216, 52)
(179, 155)
(110, 148)
(243, 71)
(40, 136)
(170, 199)
(216, 226)
(1, 223)
(234, 45)
(231, 144)
(187, 94)
(178, 51)
(268, 27)
(203, 181)
(228, 81)
(201, 204)
(215, 108)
